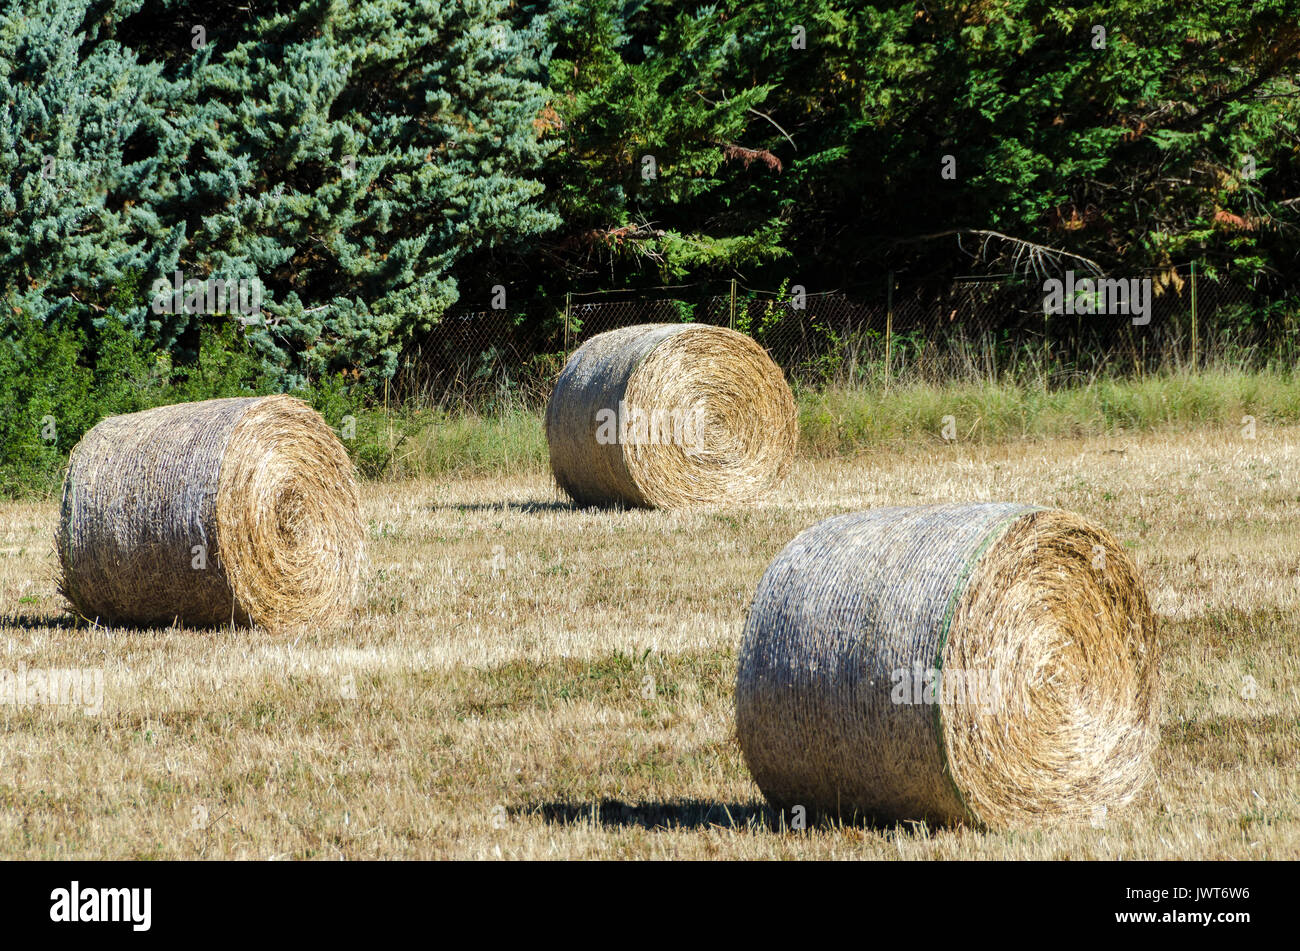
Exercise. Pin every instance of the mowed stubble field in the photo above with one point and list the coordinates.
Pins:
(527, 680)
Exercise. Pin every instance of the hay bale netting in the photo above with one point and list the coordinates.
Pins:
(241, 510)
(1032, 626)
(670, 415)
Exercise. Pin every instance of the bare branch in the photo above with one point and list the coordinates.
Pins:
(761, 115)
(1037, 256)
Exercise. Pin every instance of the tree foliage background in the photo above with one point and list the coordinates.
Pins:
(376, 163)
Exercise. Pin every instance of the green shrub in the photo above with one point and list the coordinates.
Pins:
(57, 381)
(48, 402)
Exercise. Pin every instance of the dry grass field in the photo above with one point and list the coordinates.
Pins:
(526, 680)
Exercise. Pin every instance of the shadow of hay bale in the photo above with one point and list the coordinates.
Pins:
(674, 814)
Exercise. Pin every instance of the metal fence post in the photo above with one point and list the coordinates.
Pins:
(568, 309)
(889, 327)
(732, 324)
(1195, 329)
(1047, 349)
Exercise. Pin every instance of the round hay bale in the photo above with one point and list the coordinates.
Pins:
(991, 663)
(668, 416)
(231, 510)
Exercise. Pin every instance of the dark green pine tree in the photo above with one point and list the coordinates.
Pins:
(649, 128)
(1138, 133)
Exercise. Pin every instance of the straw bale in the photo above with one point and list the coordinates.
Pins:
(233, 510)
(670, 416)
(1031, 629)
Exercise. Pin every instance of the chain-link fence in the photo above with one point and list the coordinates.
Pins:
(973, 328)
